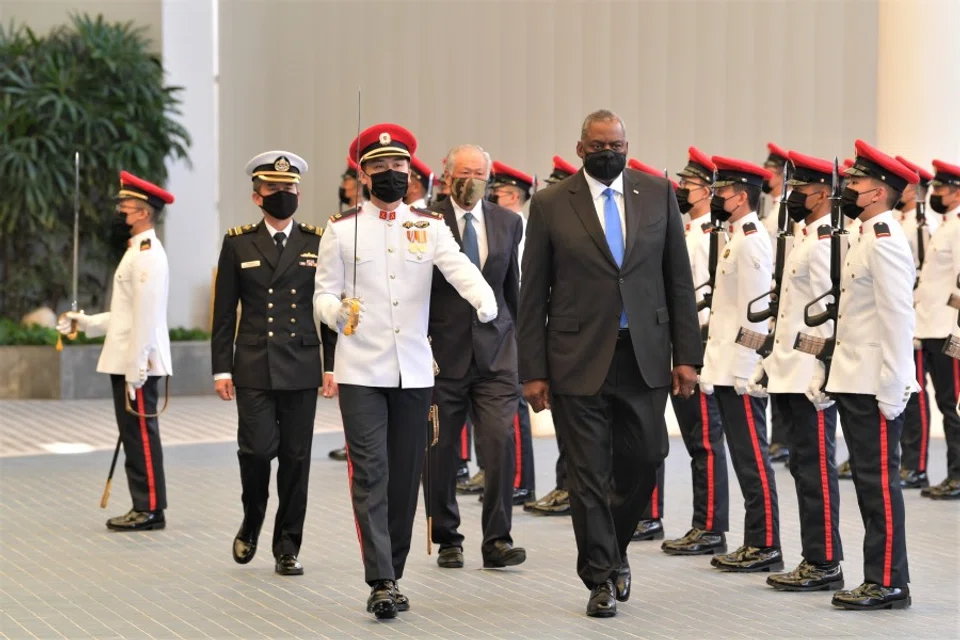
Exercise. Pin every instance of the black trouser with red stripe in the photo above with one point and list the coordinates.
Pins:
(873, 441)
(778, 423)
(143, 456)
(745, 425)
(945, 373)
(812, 438)
(915, 441)
(523, 443)
(702, 429)
(492, 405)
(386, 429)
(654, 510)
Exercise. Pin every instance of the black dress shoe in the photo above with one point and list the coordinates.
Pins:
(750, 559)
(869, 596)
(403, 602)
(473, 485)
(697, 542)
(450, 558)
(135, 520)
(522, 496)
(779, 453)
(383, 599)
(463, 474)
(602, 604)
(623, 583)
(288, 565)
(339, 455)
(555, 503)
(809, 577)
(648, 530)
(843, 471)
(910, 479)
(504, 555)
(947, 490)
(245, 544)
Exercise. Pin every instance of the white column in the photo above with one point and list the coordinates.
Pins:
(192, 226)
(918, 79)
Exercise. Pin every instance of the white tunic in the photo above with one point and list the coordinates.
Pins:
(138, 341)
(875, 327)
(394, 265)
(698, 248)
(938, 280)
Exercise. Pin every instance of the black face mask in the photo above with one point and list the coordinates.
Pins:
(766, 187)
(605, 165)
(342, 194)
(797, 206)
(900, 205)
(716, 208)
(281, 205)
(389, 186)
(936, 203)
(683, 200)
(848, 202)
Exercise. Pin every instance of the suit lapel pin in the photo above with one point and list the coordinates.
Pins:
(636, 192)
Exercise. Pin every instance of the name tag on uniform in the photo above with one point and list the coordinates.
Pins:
(250, 265)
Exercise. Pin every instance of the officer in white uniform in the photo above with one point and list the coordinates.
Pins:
(936, 320)
(914, 443)
(872, 375)
(384, 366)
(786, 372)
(136, 352)
(744, 272)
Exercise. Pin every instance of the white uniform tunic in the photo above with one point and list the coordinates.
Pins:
(938, 280)
(394, 265)
(697, 237)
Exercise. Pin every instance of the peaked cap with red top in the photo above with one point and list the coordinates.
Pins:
(561, 170)
(873, 163)
(383, 141)
(133, 187)
(420, 171)
(508, 176)
(731, 171)
(947, 174)
(925, 176)
(699, 166)
(809, 170)
(778, 156)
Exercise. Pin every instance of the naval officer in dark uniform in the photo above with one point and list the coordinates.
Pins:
(271, 362)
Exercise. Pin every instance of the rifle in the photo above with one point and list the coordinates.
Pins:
(716, 230)
(428, 196)
(763, 343)
(823, 348)
(921, 240)
(952, 346)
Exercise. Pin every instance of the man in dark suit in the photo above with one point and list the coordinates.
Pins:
(607, 299)
(275, 370)
(477, 364)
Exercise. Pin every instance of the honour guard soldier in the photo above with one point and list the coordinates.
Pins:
(382, 256)
(744, 272)
(420, 178)
(936, 319)
(916, 418)
(773, 189)
(699, 416)
(136, 352)
(872, 375)
(786, 372)
(270, 363)
(561, 170)
(477, 366)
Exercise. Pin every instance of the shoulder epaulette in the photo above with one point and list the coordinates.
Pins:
(343, 215)
(882, 230)
(309, 228)
(242, 229)
(824, 232)
(426, 213)
(749, 229)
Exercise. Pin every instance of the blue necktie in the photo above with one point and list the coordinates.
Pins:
(470, 245)
(614, 233)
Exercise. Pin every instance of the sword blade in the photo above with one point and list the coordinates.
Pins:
(76, 231)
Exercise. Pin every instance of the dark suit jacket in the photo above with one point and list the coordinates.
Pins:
(277, 346)
(454, 327)
(573, 292)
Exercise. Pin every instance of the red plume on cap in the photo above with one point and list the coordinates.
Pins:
(778, 151)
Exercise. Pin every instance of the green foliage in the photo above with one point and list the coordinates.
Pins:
(90, 87)
(13, 334)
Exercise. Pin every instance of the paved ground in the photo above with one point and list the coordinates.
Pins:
(63, 575)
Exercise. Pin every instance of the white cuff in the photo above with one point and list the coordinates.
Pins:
(222, 376)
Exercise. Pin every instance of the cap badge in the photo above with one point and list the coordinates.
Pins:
(282, 164)
(385, 138)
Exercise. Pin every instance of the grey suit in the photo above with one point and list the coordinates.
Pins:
(609, 385)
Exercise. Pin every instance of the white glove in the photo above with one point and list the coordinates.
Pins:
(706, 388)
(890, 411)
(917, 345)
(132, 391)
(487, 311)
(64, 322)
(740, 385)
(815, 393)
(756, 386)
(343, 315)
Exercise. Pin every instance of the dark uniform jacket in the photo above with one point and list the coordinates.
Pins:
(277, 344)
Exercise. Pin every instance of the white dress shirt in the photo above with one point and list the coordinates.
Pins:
(285, 231)
(596, 192)
(478, 224)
